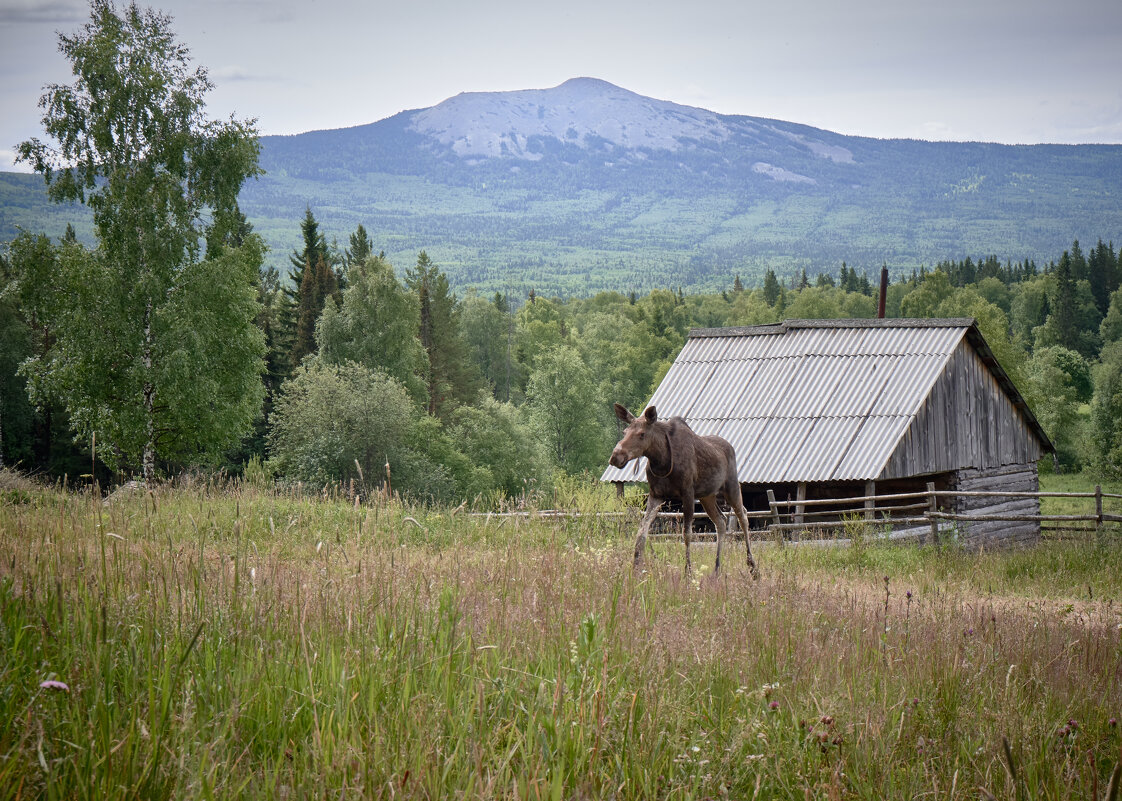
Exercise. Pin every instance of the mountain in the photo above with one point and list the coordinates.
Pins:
(587, 186)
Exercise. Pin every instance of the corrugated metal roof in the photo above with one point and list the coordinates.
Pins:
(818, 400)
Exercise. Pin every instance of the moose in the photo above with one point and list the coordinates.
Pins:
(684, 466)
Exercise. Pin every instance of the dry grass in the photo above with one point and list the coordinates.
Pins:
(236, 643)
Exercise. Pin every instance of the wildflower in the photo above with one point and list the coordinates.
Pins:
(908, 595)
(51, 684)
(1113, 722)
(774, 705)
(828, 720)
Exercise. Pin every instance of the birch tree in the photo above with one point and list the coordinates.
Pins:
(156, 349)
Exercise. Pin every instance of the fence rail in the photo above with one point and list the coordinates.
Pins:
(898, 511)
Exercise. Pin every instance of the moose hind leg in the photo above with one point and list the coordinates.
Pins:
(742, 518)
(709, 504)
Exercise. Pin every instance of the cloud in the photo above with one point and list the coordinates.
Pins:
(8, 162)
(233, 73)
(31, 12)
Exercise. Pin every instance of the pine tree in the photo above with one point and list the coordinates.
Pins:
(736, 285)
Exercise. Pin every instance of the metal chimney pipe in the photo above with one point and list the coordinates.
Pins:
(883, 291)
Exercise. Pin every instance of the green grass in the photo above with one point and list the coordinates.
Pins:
(229, 642)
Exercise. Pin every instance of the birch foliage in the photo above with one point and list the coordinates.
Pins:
(156, 350)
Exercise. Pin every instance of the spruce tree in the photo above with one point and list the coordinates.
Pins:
(771, 288)
(1103, 274)
(1060, 327)
(360, 248)
(315, 248)
(318, 287)
(449, 377)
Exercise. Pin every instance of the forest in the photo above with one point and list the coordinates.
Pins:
(486, 399)
(172, 344)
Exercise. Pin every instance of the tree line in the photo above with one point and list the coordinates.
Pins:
(170, 344)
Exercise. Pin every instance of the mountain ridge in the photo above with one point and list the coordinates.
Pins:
(588, 186)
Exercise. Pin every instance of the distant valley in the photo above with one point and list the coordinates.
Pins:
(587, 186)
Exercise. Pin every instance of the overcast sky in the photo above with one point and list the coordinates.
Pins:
(1012, 71)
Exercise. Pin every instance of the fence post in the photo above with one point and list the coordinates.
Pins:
(932, 509)
(800, 509)
(776, 520)
(870, 500)
(1098, 507)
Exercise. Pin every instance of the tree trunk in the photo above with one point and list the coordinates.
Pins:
(149, 458)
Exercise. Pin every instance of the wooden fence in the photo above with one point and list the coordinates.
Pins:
(927, 516)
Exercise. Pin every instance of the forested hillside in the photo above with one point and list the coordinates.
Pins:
(482, 397)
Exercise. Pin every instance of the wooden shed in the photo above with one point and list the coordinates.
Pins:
(820, 409)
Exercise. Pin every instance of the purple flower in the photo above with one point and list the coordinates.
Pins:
(51, 684)
(774, 705)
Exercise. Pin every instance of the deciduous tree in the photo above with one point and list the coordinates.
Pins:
(156, 349)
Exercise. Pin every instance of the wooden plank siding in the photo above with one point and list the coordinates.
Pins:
(967, 421)
(1004, 478)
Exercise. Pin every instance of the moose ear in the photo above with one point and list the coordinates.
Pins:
(623, 414)
(650, 414)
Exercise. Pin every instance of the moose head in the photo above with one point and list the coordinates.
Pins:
(636, 439)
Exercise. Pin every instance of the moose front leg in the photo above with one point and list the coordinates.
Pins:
(653, 505)
(687, 529)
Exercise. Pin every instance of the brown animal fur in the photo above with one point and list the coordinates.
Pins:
(683, 466)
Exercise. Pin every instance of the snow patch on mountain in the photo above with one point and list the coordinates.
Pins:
(835, 153)
(780, 174)
(580, 111)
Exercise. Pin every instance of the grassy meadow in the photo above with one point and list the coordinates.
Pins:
(221, 642)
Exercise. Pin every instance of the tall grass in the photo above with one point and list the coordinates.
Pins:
(220, 643)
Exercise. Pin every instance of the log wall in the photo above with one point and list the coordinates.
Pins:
(1006, 478)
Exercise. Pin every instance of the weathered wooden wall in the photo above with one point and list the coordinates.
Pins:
(1006, 478)
(967, 421)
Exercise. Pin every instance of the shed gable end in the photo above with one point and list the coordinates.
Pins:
(967, 420)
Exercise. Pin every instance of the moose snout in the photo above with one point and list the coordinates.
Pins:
(619, 457)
